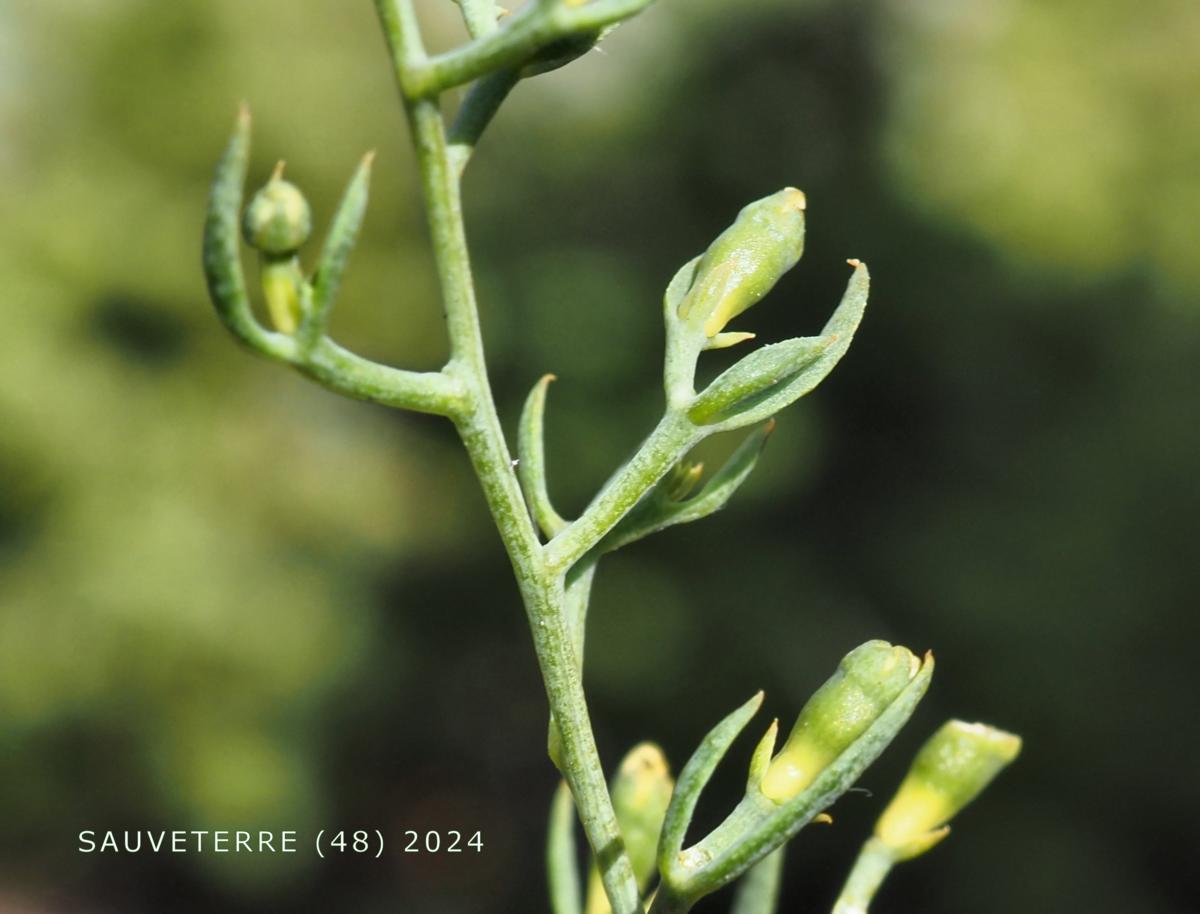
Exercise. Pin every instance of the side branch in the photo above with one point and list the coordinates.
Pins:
(311, 352)
(353, 376)
(540, 24)
(667, 444)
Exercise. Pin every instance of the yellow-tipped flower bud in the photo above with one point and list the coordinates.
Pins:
(641, 792)
(746, 261)
(951, 769)
(867, 681)
(278, 219)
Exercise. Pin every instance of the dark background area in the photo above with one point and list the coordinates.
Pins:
(229, 599)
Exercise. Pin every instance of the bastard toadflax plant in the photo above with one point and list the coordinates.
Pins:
(637, 824)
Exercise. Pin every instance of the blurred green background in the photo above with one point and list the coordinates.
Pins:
(230, 599)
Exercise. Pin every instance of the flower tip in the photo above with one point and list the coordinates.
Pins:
(1003, 745)
(794, 199)
(644, 759)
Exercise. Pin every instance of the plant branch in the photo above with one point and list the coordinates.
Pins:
(874, 862)
(671, 439)
(537, 25)
(479, 427)
(353, 376)
(481, 16)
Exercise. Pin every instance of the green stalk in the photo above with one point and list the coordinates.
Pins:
(671, 440)
(542, 590)
(870, 869)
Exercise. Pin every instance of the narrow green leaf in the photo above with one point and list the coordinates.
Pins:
(222, 261)
(560, 53)
(761, 760)
(562, 864)
(656, 512)
(343, 233)
(478, 108)
(683, 346)
(759, 374)
(678, 287)
(773, 377)
(693, 779)
(531, 459)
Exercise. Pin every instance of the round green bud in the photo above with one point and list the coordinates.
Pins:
(278, 219)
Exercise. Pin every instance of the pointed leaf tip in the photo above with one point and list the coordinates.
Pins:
(695, 777)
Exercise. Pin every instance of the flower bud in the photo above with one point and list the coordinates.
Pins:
(681, 481)
(641, 792)
(277, 220)
(951, 769)
(867, 681)
(746, 261)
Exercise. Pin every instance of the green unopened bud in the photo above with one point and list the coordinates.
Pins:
(682, 480)
(951, 769)
(867, 680)
(641, 792)
(746, 261)
(277, 220)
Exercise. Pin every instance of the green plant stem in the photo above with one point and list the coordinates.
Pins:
(353, 376)
(481, 16)
(874, 862)
(533, 28)
(671, 439)
(758, 890)
(667, 903)
(542, 590)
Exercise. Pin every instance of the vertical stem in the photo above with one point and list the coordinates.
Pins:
(481, 433)
(874, 862)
